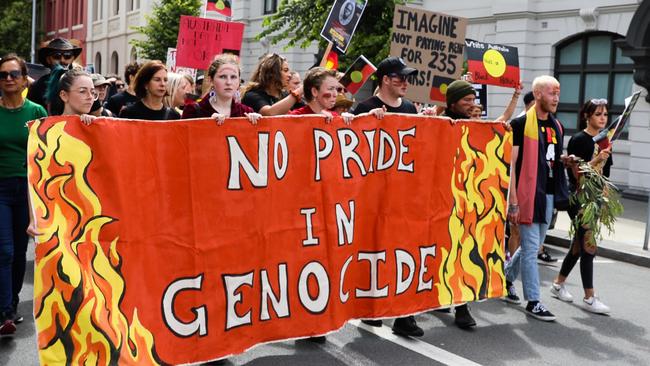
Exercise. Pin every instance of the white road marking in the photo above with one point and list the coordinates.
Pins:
(425, 349)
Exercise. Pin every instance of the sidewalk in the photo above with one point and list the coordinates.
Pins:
(624, 244)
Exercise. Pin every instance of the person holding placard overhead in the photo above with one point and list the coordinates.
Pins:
(265, 92)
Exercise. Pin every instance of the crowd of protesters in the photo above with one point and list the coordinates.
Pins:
(148, 91)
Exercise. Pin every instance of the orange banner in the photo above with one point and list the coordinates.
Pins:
(179, 242)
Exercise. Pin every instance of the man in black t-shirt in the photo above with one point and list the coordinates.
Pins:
(126, 97)
(393, 84)
(538, 182)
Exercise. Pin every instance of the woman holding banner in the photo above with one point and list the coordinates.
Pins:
(150, 87)
(265, 92)
(320, 94)
(15, 111)
(593, 118)
(74, 92)
(221, 103)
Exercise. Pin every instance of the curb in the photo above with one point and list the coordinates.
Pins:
(603, 252)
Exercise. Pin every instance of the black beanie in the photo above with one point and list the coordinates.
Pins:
(457, 90)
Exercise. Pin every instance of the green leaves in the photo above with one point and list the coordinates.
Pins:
(161, 30)
(300, 21)
(599, 202)
(16, 28)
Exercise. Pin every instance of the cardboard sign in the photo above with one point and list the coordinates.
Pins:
(357, 74)
(200, 39)
(192, 241)
(342, 22)
(171, 65)
(223, 7)
(493, 64)
(432, 43)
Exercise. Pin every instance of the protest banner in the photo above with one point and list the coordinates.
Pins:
(432, 43)
(222, 7)
(357, 74)
(342, 21)
(492, 64)
(171, 65)
(193, 241)
(200, 39)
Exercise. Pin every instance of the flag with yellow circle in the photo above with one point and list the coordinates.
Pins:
(492, 64)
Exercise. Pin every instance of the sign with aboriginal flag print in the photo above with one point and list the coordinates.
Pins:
(492, 64)
(357, 74)
(195, 241)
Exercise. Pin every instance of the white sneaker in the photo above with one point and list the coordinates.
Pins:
(560, 292)
(594, 305)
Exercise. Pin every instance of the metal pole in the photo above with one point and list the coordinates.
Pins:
(33, 50)
(647, 228)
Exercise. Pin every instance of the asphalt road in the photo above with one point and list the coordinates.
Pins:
(504, 336)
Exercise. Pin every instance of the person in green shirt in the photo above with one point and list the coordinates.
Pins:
(15, 226)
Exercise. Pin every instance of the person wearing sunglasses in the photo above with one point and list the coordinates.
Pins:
(58, 51)
(265, 92)
(74, 94)
(15, 111)
(592, 119)
(150, 85)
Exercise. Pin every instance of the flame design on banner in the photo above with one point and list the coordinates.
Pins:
(475, 220)
(78, 284)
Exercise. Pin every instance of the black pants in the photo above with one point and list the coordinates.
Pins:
(577, 250)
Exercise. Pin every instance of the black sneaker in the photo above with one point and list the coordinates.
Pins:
(319, 339)
(538, 311)
(373, 323)
(545, 257)
(17, 318)
(407, 327)
(511, 295)
(464, 319)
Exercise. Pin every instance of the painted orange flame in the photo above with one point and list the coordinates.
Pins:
(77, 286)
(479, 185)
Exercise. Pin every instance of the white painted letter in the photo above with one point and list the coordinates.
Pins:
(233, 296)
(373, 258)
(402, 258)
(343, 222)
(347, 151)
(424, 253)
(199, 324)
(311, 240)
(238, 159)
(403, 149)
(281, 142)
(281, 302)
(384, 138)
(318, 304)
(325, 152)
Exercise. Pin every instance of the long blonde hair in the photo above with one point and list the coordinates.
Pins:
(174, 82)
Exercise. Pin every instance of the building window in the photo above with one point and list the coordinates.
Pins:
(114, 63)
(591, 66)
(270, 6)
(98, 63)
(134, 55)
(97, 9)
(116, 7)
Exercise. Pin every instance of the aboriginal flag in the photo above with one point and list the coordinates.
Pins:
(492, 64)
(439, 86)
(220, 6)
(332, 61)
(358, 74)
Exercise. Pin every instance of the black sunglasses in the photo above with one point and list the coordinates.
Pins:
(60, 55)
(15, 74)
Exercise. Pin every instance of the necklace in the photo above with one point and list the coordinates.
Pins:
(12, 109)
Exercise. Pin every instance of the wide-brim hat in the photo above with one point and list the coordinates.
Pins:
(57, 45)
(343, 101)
(99, 80)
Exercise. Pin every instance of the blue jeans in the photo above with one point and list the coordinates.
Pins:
(14, 218)
(525, 258)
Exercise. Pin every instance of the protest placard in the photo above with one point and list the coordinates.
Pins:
(200, 39)
(171, 65)
(244, 235)
(432, 43)
(616, 128)
(342, 22)
(358, 73)
(492, 64)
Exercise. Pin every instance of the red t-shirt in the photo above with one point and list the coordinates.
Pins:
(307, 110)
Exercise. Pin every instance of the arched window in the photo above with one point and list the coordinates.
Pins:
(589, 66)
(114, 63)
(98, 63)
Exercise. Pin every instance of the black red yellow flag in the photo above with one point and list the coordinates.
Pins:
(220, 6)
(358, 74)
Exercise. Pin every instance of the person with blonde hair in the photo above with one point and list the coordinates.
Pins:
(538, 183)
(265, 93)
(178, 86)
(221, 102)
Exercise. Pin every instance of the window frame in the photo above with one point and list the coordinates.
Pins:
(274, 7)
(583, 68)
